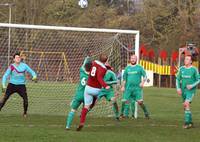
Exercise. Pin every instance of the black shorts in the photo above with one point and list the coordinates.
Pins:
(20, 89)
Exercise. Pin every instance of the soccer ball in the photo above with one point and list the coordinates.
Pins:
(83, 3)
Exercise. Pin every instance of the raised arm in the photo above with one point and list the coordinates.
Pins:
(29, 70)
(86, 60)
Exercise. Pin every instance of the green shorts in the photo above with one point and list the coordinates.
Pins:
(77, 100)
(108, 94)
(187, 95)
(135, 93)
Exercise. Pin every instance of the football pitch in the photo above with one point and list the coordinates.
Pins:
(165, 125)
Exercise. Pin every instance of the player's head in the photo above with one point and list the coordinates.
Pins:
(17, 58)
(133, 59)
(103, 58)
(88, 66)
(188, 60)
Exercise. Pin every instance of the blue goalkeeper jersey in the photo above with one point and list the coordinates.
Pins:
(16, 74)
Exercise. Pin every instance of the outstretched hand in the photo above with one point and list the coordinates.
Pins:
(35, 79)
(3, 90)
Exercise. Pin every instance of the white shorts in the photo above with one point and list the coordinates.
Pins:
(89, 93)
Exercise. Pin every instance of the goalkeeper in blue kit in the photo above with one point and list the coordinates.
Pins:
(16, 73)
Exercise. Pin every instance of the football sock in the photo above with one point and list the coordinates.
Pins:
(188, 116)
(133, 107)
(122, 108)
(144, 109)
(126, 109)
(83, 116)
(69, 119)
(115, 109)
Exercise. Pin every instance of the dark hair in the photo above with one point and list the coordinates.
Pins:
(88, 66)
(103, 58)
(16, 54)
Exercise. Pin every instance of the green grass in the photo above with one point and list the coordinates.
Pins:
(45, 98)
(165, 124)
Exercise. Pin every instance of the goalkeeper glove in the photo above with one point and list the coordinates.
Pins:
(34, 79)
(3, 89)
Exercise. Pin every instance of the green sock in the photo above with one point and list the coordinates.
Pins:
(122, 108)
(188, 116)
(115, 109)
(144, 109)
(133, 107)
(126, 109)
(69, 119)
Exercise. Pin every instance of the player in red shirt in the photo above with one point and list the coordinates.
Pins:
(94, 84)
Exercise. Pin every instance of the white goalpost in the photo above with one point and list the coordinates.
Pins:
(59, 28)
(56, 54)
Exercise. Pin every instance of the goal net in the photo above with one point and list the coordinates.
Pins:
(56, 54)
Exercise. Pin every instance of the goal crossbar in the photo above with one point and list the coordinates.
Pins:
(77, 29)
(43, 27)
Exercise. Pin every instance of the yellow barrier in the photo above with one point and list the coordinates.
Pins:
(196, 64)
(160, 69)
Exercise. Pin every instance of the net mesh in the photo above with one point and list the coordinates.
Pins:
(56, 56)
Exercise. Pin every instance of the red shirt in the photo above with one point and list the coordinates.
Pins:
(96, 75)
